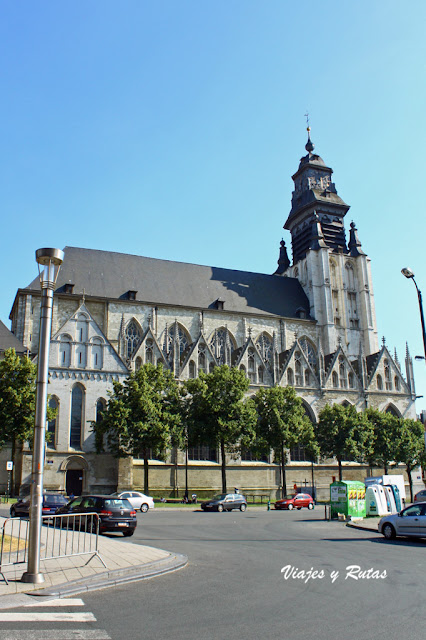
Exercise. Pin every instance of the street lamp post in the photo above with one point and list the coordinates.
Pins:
(410, 275)
(49, 262)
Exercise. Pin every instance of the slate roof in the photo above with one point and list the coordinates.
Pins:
(106, 274)
(9, 341)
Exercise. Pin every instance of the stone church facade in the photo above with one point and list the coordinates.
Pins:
(311, 324)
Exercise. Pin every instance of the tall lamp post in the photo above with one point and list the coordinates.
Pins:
(49, 262)
(410, 275)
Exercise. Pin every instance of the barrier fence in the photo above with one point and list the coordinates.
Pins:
(63, 536)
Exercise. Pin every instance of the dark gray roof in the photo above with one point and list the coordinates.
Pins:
(9, 341)
(106, 274)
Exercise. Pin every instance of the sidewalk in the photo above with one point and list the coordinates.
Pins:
(126, 562)
(367, 524)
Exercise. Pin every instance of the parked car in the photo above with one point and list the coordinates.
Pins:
(115, 514)
(225, 502)
(137, 500)
(51, 503)
(411, 522)
(420, 496)
(296, 501)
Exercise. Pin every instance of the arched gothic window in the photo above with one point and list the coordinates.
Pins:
(342, 373)
(307, 378)
(65, 351)
(350, 276)
(174, 334)
(97, 353)
(260, 375)
(138, 363)
(379, 382)
(290, 377)
(388, 379)
(309, 351)
(192, 369)
(335, 380)
(250, 366)
(298, 368)
(149, 351)
(100, 406)
(201, 360)
(396, 383)
(265, 346)
(351, 380)
(76, 423)
(133, 338)
(222, 345)
(51, 425)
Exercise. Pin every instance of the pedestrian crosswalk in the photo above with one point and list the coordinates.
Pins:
(26, 616)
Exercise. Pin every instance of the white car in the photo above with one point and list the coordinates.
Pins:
(411, 522)
(137, 500)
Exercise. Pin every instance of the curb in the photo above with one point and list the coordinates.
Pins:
(361, 528)
(115, 578)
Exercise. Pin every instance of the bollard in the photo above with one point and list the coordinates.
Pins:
(269, 506)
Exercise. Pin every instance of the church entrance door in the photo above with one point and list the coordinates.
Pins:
(74, 482)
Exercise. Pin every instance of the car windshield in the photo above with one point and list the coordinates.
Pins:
(117, 503)
(220, 496)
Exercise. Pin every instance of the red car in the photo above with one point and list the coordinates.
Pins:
(297, 501)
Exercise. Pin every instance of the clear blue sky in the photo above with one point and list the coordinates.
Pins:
(171, 129)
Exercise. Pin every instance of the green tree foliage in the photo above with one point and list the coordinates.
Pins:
(142, 413)
(218, 414)
(283, 424)
(344, 433)
(410, 448)
(386, 430)
(17, 401)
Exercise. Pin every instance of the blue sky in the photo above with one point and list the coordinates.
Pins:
(171, 129)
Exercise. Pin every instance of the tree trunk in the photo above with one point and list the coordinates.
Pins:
(222, 454)
(410, 481)
(284, 489)
(12, 473)
(385, 468)
(145, 472)
(340, 469)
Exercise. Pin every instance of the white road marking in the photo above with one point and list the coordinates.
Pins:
(47, 617)
(57, 602)
(51, 634)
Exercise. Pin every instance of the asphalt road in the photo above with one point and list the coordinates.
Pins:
(234, 587)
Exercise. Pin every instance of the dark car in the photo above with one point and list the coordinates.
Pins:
(115, 514)
(225, 502)
(51, 503)
(296, 501)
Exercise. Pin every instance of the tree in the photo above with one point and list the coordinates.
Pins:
(17, 402)
(343, 433)
(218, 414)
(386, 430)
(142, 414)
(410, 448)
(283, 424)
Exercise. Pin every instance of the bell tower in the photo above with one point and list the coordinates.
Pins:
(335, 276)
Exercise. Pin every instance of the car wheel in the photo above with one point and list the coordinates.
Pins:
(243, 507)
(144, 507)
(298, 508)
(290, 507)
(128, 533)
(388, 531)
(311, 506)
(220, 507)
(12, 513)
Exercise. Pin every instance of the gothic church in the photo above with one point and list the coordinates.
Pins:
(311, 324)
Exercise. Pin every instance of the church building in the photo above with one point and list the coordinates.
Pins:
(311, 324)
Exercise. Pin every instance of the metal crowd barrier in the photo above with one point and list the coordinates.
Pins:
(62, 536)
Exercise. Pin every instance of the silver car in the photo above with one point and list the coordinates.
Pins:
(411, 522)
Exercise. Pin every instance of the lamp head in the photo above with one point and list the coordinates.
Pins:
(49, 262)
(407, 272)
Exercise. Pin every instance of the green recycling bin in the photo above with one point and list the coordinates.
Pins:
(347, 497)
